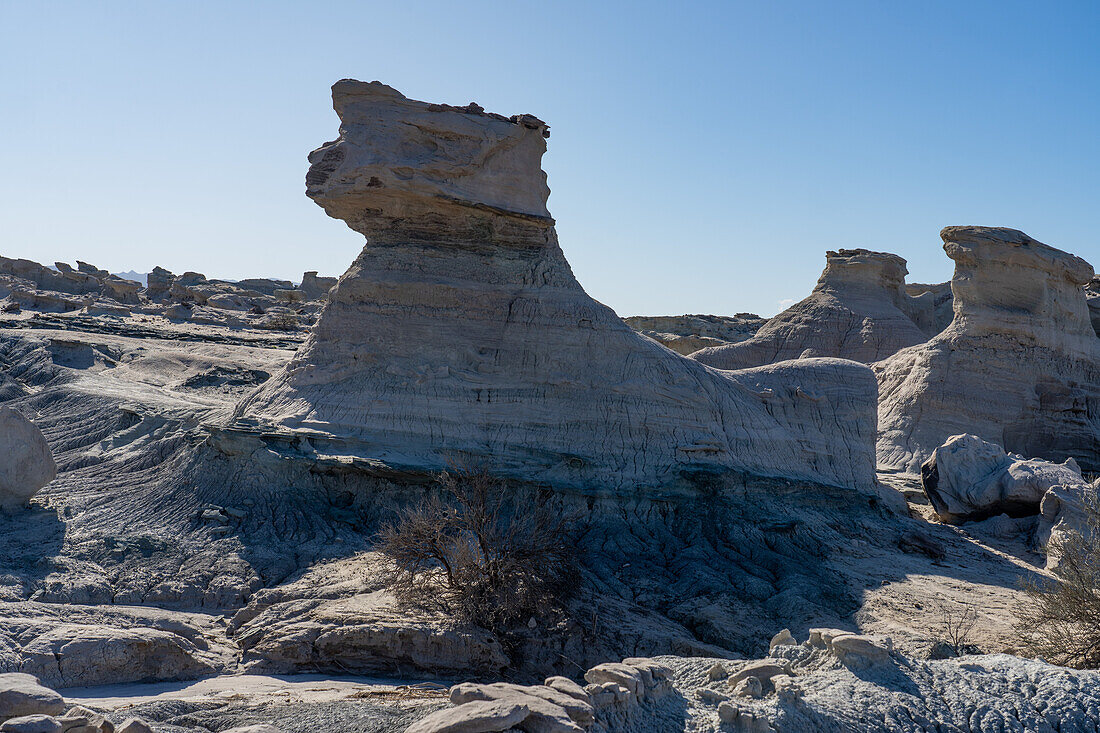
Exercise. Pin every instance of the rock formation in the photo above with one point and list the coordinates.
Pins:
(1018, 366)
(968, 478)
(834, 681)
(316, 287)
(1068, 509)
(690, 333)
(1092, 297)
(26, 464)
(932, 306)
(460, 333)
(30, 291)
(859, 310)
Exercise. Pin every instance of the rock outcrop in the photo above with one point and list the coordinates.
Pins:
(316, 287)
(1018, 366)
(460, 333)
(690, 333)
(1092, 297)
(859, 310)
(618, 696)
(968, 479)
(22, 694)
(835, 681)
(1066, 510)
(932, 309)
(26, 464)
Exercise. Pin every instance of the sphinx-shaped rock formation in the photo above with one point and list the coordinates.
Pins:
(461, 334)
(1018, 366)
(859, 310)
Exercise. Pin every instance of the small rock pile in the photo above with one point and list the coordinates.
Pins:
(614, 694)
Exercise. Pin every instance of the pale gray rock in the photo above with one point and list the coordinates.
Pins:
(858, 310)
(970, 479)
(26, 463)
(878, 691)
(1092, 298)
(327, 619)
(1018, 366)
(68, 645)
(689, 333)
(616, 698)
(1064, 512)
(315, 287)
(566, 685)
(462, 327)
(763, 670)
(783, 638)
(159, 283)
(480, 716)
(32, 724)
(22, 694)
(133, 725)
(750, 686)
(930, 306)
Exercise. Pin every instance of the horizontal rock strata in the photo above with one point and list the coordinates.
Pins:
(460, 333)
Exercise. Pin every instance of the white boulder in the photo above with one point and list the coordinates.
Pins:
(969, 479)
(26, 464)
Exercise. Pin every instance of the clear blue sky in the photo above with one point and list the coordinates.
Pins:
(703, 155)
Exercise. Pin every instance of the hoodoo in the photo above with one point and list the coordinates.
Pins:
(461, 334)
(859, 310)
(1019, 365)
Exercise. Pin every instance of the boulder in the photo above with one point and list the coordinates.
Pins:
(474, 717)
(32, 724)
(860, 650)
(763, 670)
(81, 654)
(26, 464)
(133, 725)
(460, 330)
(1019, 365)
(749, 687)
(970, 479)
(22, 694)
(859, 310)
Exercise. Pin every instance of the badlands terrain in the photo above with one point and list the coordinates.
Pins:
(779, 525)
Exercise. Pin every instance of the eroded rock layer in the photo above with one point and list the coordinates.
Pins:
(1018, 365)
(859, 310)
(460, 334)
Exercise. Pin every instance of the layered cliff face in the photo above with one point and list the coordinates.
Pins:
(1019, 365)
(460, 334)
(859, 310)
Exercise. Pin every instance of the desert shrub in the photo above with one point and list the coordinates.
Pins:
(280, 322)
(955, 624)
(1060, 619)
(470, 552)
